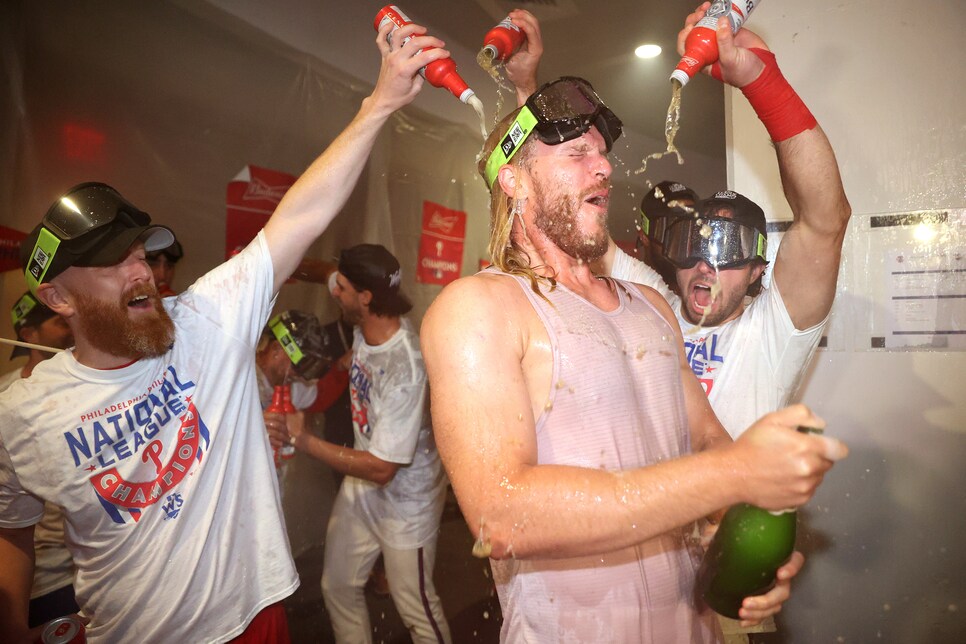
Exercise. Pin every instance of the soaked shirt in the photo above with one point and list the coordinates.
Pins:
(615, 403)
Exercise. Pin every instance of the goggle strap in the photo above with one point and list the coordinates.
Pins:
(284, 337)
(519, 131)
(645, 224)
(41, 257)
(762, 246)
(22, 308)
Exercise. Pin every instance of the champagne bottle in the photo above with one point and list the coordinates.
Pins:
(751, 544)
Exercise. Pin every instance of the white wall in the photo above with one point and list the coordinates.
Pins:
(883, 535)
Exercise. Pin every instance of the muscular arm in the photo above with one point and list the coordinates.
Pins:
(16, 578)
(319, 194)
(812, 246)
(348, 461)
(474, 340)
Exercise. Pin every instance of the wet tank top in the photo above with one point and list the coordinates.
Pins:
(615, 403)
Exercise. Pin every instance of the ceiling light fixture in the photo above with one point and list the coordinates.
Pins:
(648, 51)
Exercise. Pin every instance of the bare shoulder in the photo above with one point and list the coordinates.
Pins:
(480, 297)
(483, 308)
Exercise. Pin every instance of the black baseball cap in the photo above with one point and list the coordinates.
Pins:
(737, 206)
(371, 267)
(90, 225)
(27, 311)
(666, 199)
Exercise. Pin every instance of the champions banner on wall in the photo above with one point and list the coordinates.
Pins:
(251, 199)
(441, 244)
(10, 248)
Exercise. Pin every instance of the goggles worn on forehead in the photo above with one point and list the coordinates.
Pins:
(719, 241)
(22, 308)
(85, 209)
(284, 337)
(559, 111)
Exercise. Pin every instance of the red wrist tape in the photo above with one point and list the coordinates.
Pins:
(779, 107)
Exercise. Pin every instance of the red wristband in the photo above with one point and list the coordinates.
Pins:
(779, 107)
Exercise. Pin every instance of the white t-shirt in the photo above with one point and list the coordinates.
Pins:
(390, 418)
(749, 366)
(53, 566)
(163, 469)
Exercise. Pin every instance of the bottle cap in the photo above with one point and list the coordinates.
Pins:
(680, 76)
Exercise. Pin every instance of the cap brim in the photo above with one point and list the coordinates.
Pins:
(153, 237)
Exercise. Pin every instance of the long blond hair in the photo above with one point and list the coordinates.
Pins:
(505, 253)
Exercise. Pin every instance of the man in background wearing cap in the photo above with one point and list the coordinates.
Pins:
(578, 445)
(162, 263)
(749, 346)
(297, 351)
(392, 496)
(664, 203)
(149, 431)
(52, 591)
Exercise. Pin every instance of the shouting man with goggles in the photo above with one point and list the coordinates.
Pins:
(149, 432)
(578, 444)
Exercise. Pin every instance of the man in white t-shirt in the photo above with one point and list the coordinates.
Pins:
(750, 349)
(392, 497)
(52, 591)
(149, 431)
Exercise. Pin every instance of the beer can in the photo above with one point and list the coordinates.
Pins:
(64, 630)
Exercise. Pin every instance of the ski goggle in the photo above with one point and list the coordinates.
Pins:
(559, 111)
(76, 225)
(655, 227)
(718, 241)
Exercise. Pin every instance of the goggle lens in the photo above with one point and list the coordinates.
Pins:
(558, 112)
(720, 242)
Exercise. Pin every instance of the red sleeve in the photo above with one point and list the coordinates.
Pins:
(330, 387)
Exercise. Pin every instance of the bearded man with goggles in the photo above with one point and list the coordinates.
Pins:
(547, 379)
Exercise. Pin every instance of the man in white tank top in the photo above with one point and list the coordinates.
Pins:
(578, 444)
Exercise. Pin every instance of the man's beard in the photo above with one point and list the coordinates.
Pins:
(556, 216)
(108, 328)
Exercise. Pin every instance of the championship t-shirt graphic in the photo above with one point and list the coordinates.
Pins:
(360, 382)
(704, 359)
(139, 450)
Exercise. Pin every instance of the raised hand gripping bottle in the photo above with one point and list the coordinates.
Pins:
(439, 73)
(287, 451)
(502, 41)
(701, 45)
(751, 544)
(277, 407)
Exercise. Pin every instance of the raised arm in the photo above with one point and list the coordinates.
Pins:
(807, 264)
(475, 340)
(320, 193)
(521, 67)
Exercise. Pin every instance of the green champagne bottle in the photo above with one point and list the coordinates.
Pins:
(751, 544)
